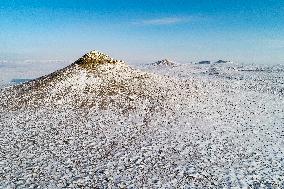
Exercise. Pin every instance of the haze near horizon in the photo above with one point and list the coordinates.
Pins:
(143, 31)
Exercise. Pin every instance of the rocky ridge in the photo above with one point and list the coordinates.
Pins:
(94, 58)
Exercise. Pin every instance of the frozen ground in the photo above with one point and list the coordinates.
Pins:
(181, 126)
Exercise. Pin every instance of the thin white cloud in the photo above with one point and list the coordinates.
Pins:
(164, 21)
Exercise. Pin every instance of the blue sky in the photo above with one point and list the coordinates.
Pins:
(143, 30)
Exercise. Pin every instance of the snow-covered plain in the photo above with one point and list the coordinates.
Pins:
(155, 126)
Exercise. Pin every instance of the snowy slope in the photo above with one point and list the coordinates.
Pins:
(100, 123)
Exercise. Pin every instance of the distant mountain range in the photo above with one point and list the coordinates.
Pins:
(209, 62)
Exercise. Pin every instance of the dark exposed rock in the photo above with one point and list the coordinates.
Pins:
(204, 62)
(221, 61)
(94, 58)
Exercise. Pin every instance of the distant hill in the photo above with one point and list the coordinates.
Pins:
(221, 61)
(204, 62)
(164, 62)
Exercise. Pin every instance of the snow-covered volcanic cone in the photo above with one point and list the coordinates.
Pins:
(95, 80)
(98, 123)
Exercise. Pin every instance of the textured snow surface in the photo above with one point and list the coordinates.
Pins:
(182, 126)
